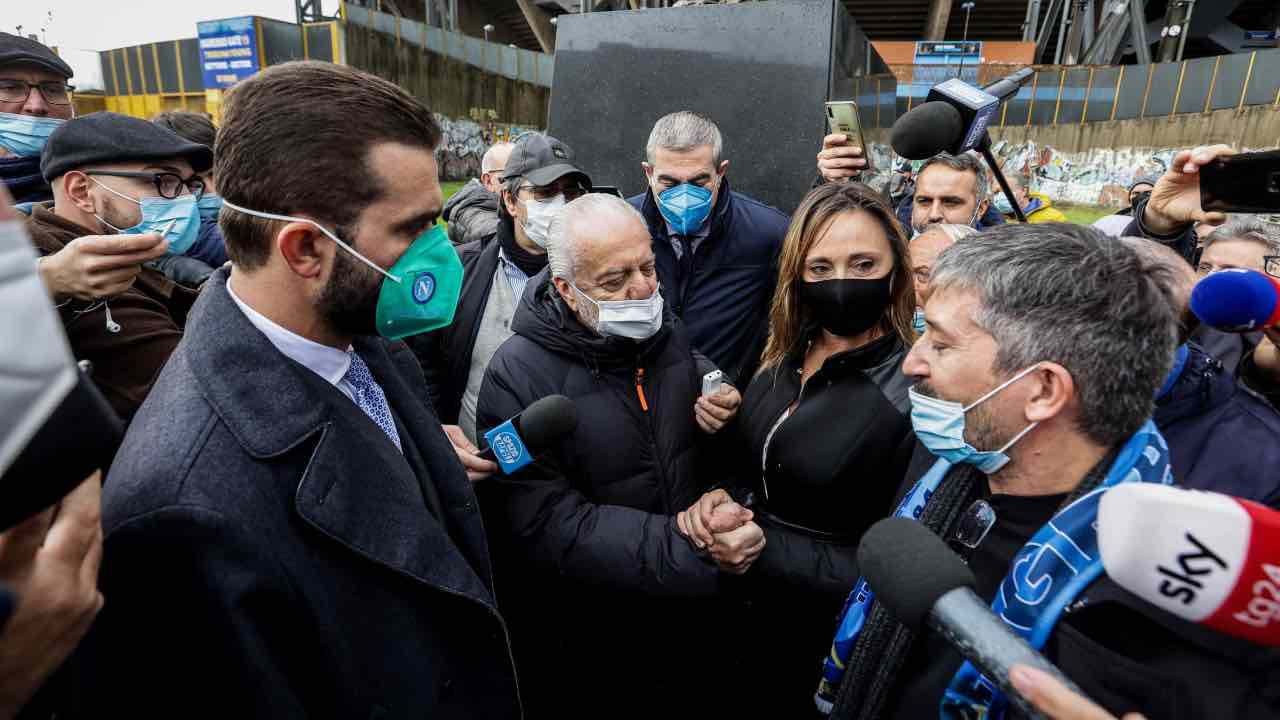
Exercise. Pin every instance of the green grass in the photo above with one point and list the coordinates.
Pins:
(1083, 214)
(449, 189)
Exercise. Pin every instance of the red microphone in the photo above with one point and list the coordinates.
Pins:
(1209, 558)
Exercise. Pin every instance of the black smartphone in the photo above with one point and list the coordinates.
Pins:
(607, 190)
(1244, 183)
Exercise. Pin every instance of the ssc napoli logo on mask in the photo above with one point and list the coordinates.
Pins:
(424, 288)
(507, 447)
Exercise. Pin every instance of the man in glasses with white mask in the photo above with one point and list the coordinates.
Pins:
(539, 179)
(125, 192)
(585, 540)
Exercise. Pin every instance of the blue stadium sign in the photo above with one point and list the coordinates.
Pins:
(228, 51)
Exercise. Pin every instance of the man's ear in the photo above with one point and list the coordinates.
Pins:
(307, 251)
(648, 172)
(566, 293)
(724, 168)
(1053, 392)
(75, 186)
(508, 202)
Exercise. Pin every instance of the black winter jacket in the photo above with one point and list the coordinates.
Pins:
(725, 302)
(445, 354)
(590, 563)
(823, 484)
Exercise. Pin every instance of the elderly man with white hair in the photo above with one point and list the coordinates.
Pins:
(600, 587)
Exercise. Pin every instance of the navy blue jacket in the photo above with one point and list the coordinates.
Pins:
(725, 303)
(1222, 436)
(209, 247)
(270, 553)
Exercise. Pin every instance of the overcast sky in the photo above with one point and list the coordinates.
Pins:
(80, 27)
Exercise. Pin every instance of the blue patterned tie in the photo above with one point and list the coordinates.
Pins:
(370, 398)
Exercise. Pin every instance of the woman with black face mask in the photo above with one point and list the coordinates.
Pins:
(823, 435)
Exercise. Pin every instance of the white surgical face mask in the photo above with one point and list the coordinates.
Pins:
(540, 212)
(634, 319)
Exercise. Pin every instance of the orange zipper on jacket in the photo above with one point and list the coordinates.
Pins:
(644, 404)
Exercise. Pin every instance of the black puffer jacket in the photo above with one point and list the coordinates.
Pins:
(832, 469)
(598, 580)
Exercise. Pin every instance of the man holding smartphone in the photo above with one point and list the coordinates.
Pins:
(1169, 216)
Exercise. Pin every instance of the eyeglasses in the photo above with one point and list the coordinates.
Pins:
(1271, 263)
(974, 525)
(168, 185)
(53, 91)
(548, 192)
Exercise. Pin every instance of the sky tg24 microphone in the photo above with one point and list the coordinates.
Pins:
(1208, 558)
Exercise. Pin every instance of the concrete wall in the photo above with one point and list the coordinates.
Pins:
(444, 85)
(1095, 163)
(1254, 127)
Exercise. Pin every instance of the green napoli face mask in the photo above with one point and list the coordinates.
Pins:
(420, 291)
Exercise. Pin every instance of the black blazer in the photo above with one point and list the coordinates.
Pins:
(269, 552)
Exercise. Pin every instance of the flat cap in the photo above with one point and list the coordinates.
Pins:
(543, 160)
(106, 137)
(17, 49)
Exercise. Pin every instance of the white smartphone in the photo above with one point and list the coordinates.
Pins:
(712, 383)
(842, 117)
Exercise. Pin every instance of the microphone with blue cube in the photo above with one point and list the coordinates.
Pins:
(518, 441)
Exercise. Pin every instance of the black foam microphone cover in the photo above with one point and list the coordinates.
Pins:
(926, 130)
(546, 421)
(909, 568)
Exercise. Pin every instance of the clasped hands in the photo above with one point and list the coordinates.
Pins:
(723, 530)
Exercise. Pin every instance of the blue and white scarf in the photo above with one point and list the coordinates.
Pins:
(1046, 576)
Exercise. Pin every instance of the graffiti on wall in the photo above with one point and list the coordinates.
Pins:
(1100, 176)
(464, 142)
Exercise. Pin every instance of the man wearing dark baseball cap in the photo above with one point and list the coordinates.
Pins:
(539, 179)
(34, 100)
(124, 193)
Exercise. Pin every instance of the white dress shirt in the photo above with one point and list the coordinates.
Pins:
(328, 362)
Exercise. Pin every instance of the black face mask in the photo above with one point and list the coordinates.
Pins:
(847, 307)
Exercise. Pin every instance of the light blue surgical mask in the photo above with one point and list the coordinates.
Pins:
(686, 207)
(210, 204)
(178, 220)
(1003, 206)
(26, 135)
(917, 321)
(939, 425)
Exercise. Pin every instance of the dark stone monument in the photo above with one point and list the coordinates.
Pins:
(761, 71)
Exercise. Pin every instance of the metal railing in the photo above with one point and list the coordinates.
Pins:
(518, 64)
(1073, 94)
